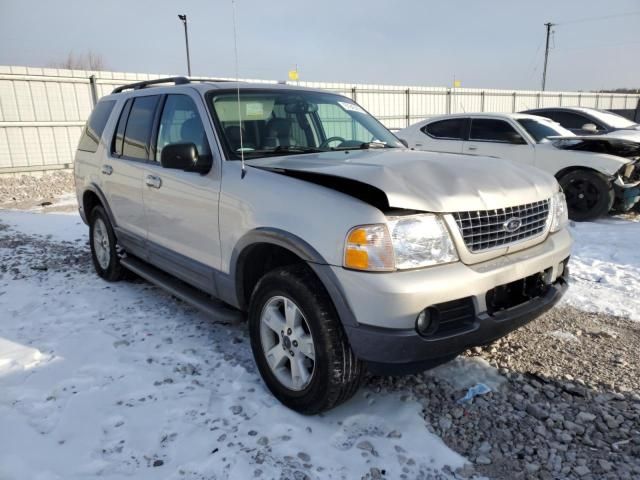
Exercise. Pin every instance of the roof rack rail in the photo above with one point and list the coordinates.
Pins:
(158, 81)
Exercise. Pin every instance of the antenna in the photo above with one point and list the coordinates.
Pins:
(235, 47)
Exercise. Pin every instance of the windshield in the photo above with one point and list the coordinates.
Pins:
(272, 122)
(540, 129)
(612, 119)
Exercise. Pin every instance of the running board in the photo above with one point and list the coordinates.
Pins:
(218, 310)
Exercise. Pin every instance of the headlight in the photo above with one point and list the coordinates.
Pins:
(559, 212)
(411, 241)
(420, 241)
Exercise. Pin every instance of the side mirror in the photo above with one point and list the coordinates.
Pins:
(590, 127)
(184, 156)
(515, 138)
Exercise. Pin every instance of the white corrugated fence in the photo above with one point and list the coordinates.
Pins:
(43, 110)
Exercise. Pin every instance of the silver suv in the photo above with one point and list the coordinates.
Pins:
(346, 249)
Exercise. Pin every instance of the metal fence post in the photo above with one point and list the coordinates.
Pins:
(579, 99)
(538, 95)
(513, 103)
(353, 93)
(597, 100)
(407, 92)
(94, 89)
(448, 100)
(482, 101)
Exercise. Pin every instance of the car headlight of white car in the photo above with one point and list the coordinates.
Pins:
(559, 212)
(404, 242)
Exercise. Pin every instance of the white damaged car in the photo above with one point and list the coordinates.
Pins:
(597, 173)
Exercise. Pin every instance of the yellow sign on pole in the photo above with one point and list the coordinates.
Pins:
(457, 83)
(293, 75)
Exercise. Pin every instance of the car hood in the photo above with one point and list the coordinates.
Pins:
(425, 181)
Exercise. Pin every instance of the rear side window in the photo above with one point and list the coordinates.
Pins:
(491, 130)
(132, 137)
(452, 129)
(95, 126)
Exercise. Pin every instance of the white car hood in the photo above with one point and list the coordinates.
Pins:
(427, 181)
(633, 135)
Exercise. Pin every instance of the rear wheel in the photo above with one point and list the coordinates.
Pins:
(104, 253)
(298, 342)
(589, 195)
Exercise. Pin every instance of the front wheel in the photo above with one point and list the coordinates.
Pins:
(589, 195)
(298, 342)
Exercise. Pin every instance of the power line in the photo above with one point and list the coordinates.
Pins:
(601, 45)
(594, 19)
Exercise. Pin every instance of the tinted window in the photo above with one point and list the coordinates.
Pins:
(95, 126)
(568, 119)
(136, 137)
(491, 130)
(541, 129)
(449, 129)
(181, 123)
(118, 138)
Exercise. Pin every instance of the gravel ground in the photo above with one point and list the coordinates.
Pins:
(27, 191)
(569, 406)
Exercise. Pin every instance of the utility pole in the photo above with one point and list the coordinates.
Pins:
(183, 17)
(546, 55)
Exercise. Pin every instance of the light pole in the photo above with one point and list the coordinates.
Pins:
(183, 17)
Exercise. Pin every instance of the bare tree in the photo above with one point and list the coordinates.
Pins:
(83, 61)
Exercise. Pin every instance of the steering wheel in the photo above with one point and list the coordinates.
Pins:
(326, 143)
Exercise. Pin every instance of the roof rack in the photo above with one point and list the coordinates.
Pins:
(157, 81)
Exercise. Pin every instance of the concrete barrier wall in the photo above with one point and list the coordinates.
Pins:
(43, 110)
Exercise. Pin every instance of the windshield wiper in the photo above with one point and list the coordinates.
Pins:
(284, 149)
(365, 146)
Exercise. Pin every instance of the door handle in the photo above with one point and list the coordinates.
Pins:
(153, 181)
(107, 169)
(418, 144)
(472, 147)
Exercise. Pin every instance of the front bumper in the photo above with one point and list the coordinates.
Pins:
(385, 306)
(627, 196)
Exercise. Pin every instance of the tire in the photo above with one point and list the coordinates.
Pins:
(104, 252)
(335, 372)
(589, 194)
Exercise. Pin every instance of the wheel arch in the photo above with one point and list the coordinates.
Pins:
(91, 197)
(573, 168)
(265, 248)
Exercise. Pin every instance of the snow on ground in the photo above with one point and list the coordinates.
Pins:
(605, 267)
(120, 380)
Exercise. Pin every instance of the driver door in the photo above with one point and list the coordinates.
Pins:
(181, 208)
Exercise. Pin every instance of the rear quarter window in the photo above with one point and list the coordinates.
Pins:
(451, 129)
(95, 126)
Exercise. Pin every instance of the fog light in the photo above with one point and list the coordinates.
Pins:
(427, 321)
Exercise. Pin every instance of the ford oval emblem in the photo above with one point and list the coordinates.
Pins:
(512, 225)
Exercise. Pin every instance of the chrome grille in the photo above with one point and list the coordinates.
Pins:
(485, 229)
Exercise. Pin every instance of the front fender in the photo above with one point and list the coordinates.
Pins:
(554, 160)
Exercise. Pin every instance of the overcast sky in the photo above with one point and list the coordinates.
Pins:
(488, 43)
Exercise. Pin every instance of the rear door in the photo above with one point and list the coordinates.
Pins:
(181, 207)
(123, 170)
(442, 135)
(496, 137)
